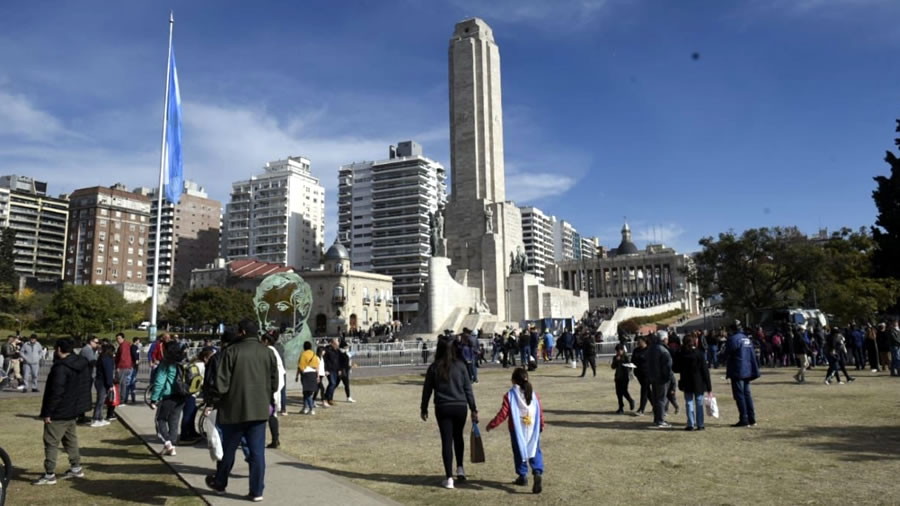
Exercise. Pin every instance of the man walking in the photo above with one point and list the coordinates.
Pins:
(131, 390)
(67, 394)
(89, 353)
(895, 348)
(332, 371)
(246, 381)
(124, 365)
(741, 369)
(659, 372)
(31, 354)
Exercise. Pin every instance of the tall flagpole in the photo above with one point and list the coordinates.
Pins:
(159, 191)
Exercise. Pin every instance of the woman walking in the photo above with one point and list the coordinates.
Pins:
(448, 379)
(639, 359)
(170, 402)
(308, 374)
(872, 347)
(103, 382)
(694, 382)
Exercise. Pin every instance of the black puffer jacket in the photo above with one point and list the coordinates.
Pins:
(67, 394)
(691, 364)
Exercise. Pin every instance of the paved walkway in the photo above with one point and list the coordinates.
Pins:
(286, 478)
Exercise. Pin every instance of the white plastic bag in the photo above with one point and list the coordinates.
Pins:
(712, 407)
(213, 441)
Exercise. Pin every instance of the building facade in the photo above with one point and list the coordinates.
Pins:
(242, 275)
(277, 216)
(40, 224)
(565, 238)
(537, 234)
(345, 299)
(107, 239)
(628, 276)
(383, 218)
(189, 236)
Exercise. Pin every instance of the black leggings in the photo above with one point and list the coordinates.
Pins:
(645, 394)
(589, 359)
(451, 422)
(622, 393)
(273, 428)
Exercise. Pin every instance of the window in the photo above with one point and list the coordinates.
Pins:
(115, 273)
(99, 271)
(131, 227)
(102, 235)
(130, 239)
(118, 214)
(115, 248)
(115, 260)
(131, 216)
(128, 274)
(140, 252)
(118, 225)
(104, 212)
(100, 258)
(140, 263)
(130, 250)
(117, 236)
(100, 248)
(141, 240)
(130, 261)
(102, 223)
(140, 275)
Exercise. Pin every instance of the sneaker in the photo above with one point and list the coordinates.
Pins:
(255, 498)
(274, 445)
(537, 488)
(620, 411)
(312, 412)
(350, 400)
(638, 413)
(689, 428)
(701, 427)
(22, 387)
(840, 382)
(448, 483)
(112, 418)
(874, 370)
(304, 411)
(827, 382)
(211, 483)
(741, 424)
(75, 472)
(664, 425)
(47, 479)
(172, 452)
(104, 422)
(460, 474)
(326, 405)
(97, 423)
(851, 379)
(521, 481)
(283, 413)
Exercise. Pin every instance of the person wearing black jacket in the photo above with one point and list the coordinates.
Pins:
(621, 378)
(639, 359)
(131, 389)
(103, 382)
(659, 374)
(332, 370)
(448, 379)
(510, 351)
(67, 394)
(588, 354)
(694, 381)
(345, 366)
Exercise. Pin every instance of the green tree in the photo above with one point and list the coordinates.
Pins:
(760, 269)
(847, 286)
(81, 310)
(215, 304)
(9, 280)
(886, 232)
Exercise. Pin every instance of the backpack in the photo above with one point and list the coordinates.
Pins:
(188, 380)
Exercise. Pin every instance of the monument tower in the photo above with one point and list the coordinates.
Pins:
(483, 230)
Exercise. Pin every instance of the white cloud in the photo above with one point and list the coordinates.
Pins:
(23, 120)
(527, 187)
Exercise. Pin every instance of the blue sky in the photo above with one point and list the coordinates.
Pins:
(783, 118)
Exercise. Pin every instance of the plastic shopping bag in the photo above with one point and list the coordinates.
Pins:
(476, 445)
(712, 407)
(213, 441)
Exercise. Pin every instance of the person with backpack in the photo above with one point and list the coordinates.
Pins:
(196, 372)
(169, 392)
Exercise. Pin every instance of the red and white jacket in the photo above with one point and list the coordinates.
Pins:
(503, 414)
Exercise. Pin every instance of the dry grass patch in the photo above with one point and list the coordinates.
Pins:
(814, 444)
(118, 468)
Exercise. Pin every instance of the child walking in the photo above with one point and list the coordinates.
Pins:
(620, 363)
(526, 422)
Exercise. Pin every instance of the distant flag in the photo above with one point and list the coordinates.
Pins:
(174, 175)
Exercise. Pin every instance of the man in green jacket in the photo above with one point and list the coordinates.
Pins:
(246, 380)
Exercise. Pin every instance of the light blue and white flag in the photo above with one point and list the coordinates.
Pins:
(174, 170)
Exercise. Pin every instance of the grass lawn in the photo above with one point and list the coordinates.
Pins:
(118, 468)
(814, 444)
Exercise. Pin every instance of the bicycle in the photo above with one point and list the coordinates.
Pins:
(5, 472)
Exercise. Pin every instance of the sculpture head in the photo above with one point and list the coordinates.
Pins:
(282, 303)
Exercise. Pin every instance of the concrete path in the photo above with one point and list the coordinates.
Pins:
(286, 478)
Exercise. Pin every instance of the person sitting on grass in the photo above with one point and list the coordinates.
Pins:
(526, 422)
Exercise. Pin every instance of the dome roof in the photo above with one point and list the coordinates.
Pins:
(337, 251)
(626, 247)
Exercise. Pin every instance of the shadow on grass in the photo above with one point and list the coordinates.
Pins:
(404, 479)
(629, 423)
(132, 490)
(569, 412)
(853, 443)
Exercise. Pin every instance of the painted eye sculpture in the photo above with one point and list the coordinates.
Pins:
(282, 306)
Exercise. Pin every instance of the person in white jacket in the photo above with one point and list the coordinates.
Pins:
(269, 340)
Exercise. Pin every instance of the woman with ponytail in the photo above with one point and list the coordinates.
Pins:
(526, 422)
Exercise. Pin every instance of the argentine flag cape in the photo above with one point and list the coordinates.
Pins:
(525, 422)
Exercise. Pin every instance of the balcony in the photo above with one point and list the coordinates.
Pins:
(366, 300)
(338, 299)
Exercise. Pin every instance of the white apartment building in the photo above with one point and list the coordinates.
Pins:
(40, 224)
(277, 216)
(564, 238)
(537, 234)
(383, 219)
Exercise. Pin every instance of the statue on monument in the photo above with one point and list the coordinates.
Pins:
(521, 259)
(488, 220)
(513, 263)
(438, 242)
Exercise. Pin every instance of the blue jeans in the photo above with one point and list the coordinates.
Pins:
(332, 384)
(473, 371)
(740, 389)
(536, 462)
(693, 406)
(188, 431)
(712, 356)
(525, 351)
(255, 442)
(895, 359)
(132, 387)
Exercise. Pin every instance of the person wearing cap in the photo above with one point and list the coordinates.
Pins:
(741, 369)
(659, 372)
